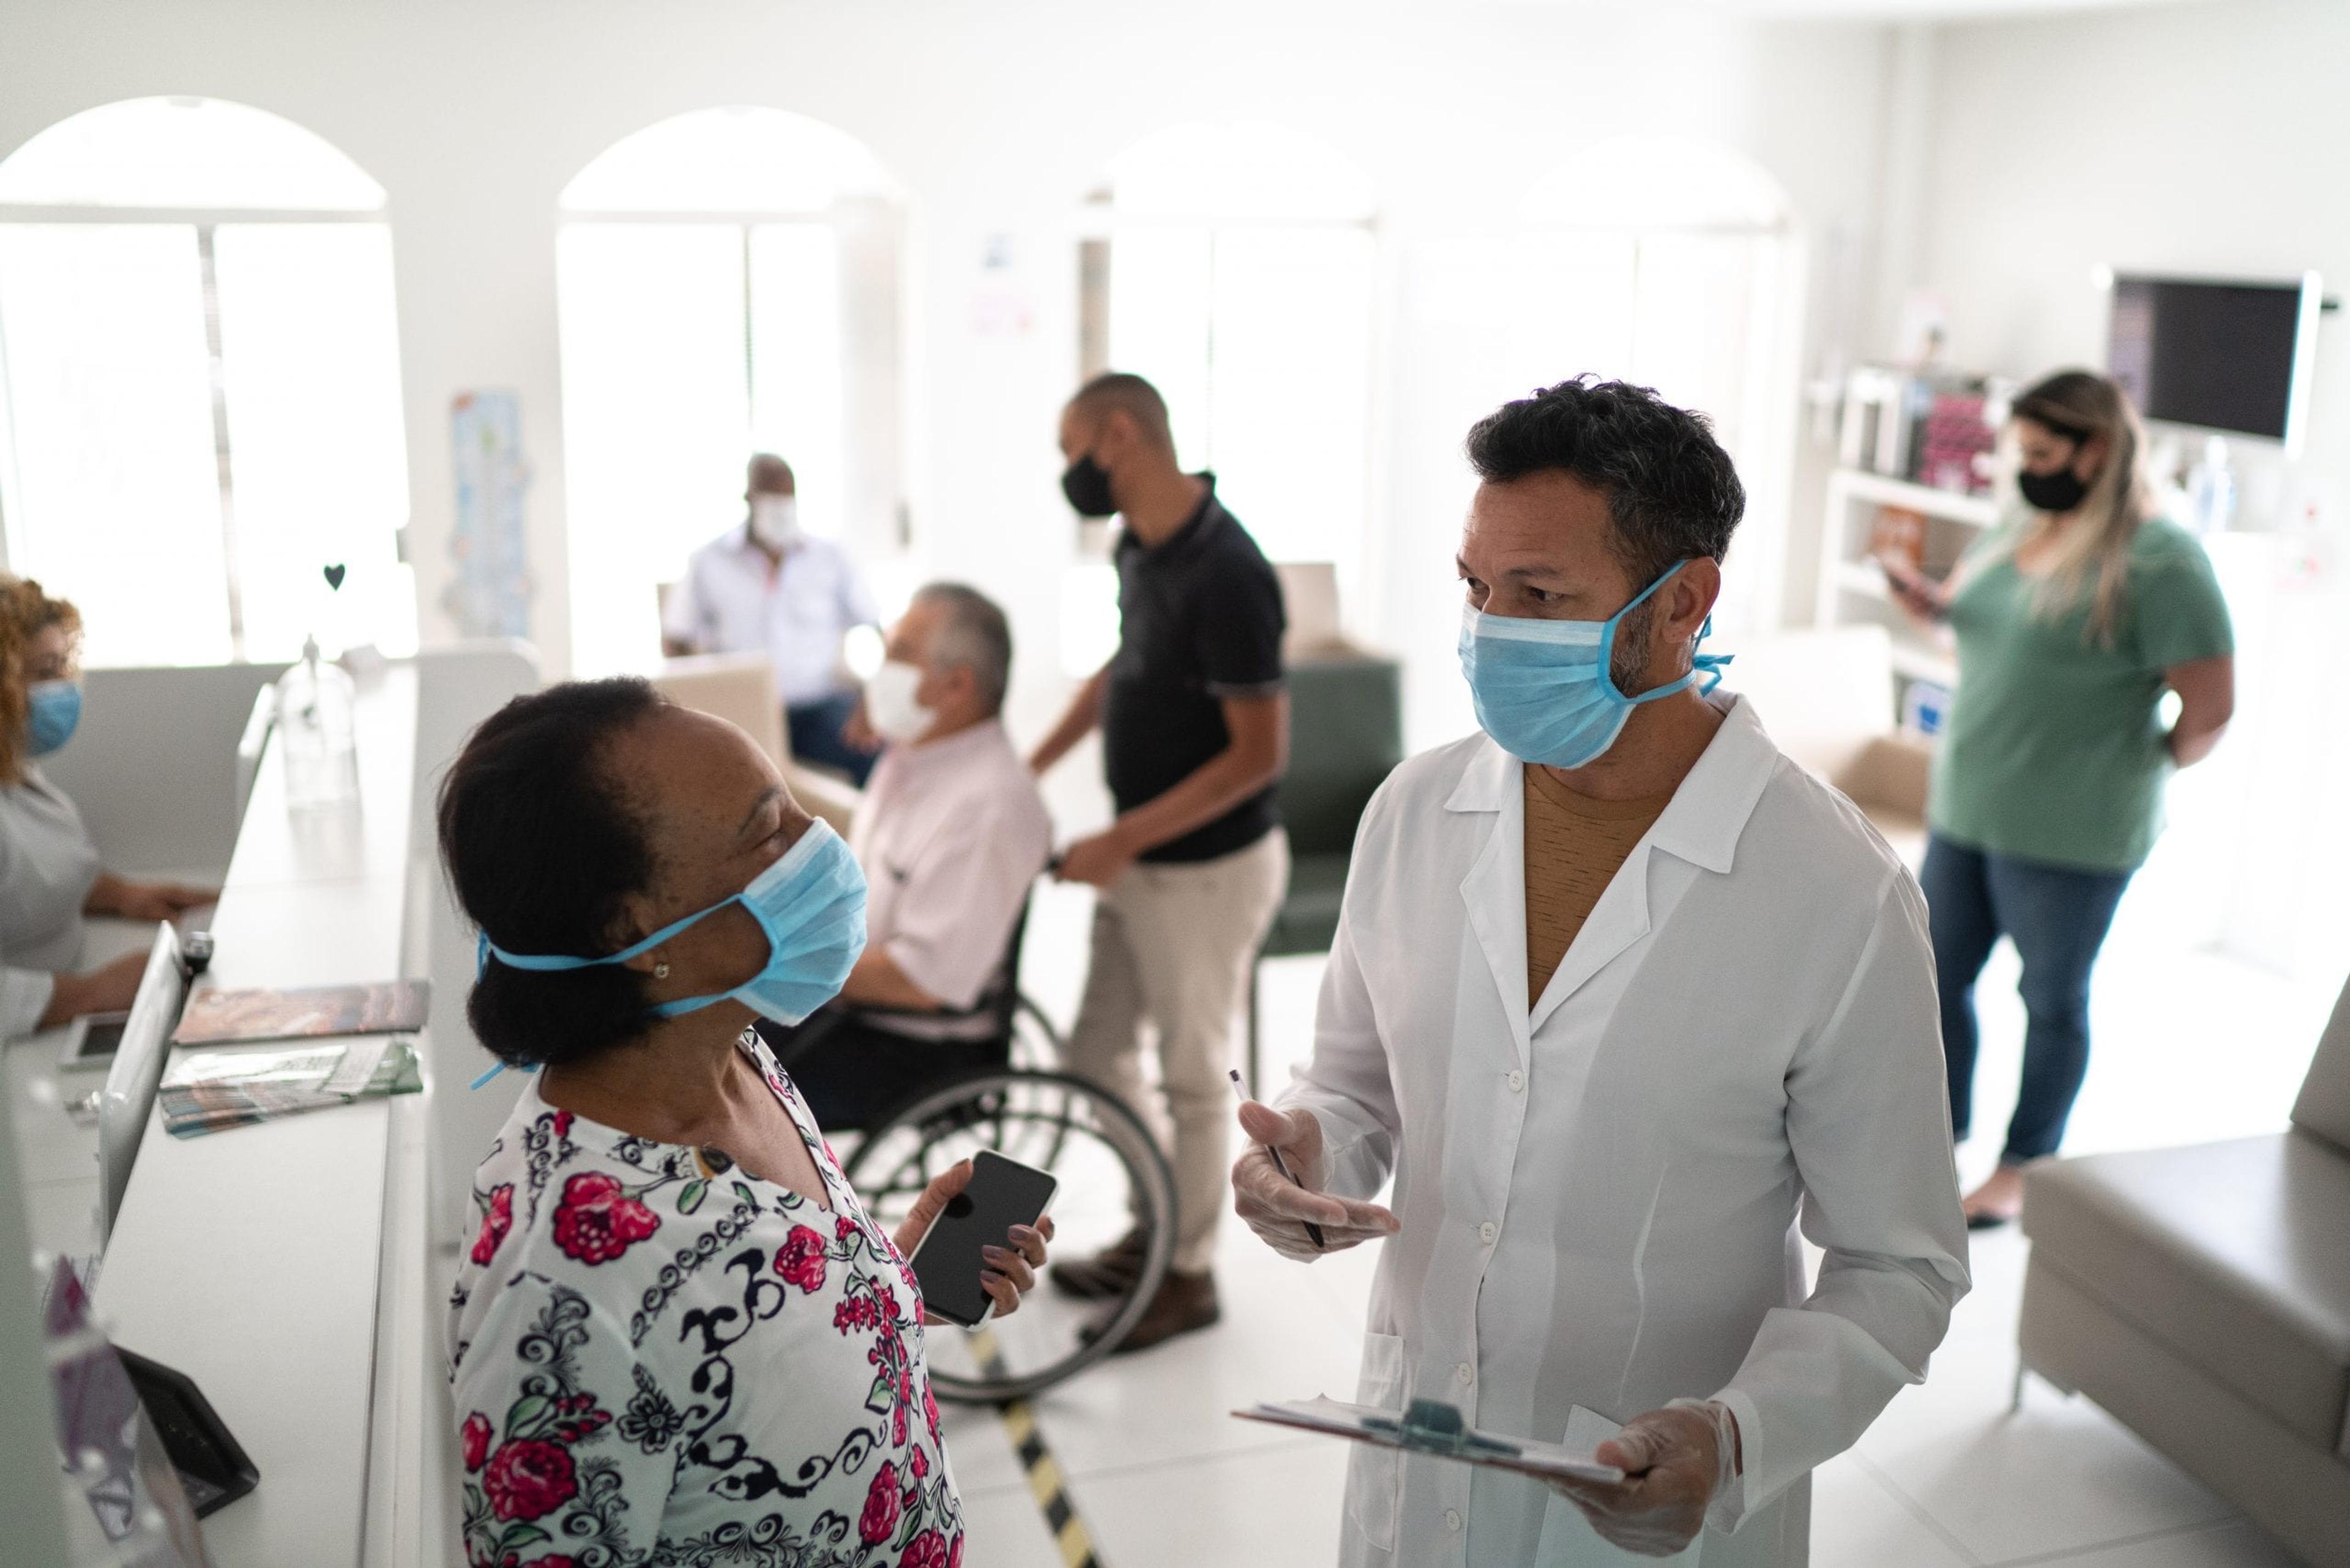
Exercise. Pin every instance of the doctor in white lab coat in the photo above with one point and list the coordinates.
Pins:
(1598, 1189)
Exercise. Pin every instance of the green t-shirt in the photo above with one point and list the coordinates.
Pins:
(2054, 749)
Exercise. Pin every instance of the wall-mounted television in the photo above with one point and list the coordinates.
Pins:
(2221, 355)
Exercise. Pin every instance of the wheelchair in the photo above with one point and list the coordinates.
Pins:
(1113, 1180)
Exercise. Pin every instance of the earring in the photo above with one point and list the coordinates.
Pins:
(660, 971)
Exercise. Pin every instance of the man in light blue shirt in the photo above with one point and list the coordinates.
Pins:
(769, 586)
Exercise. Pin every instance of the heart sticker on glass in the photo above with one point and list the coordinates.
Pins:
(335, 576)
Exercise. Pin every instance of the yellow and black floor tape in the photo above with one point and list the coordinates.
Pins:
(1045, 1482)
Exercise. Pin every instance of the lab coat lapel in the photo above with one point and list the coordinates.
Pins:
(1495, 890)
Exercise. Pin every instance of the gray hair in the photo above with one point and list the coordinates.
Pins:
(975, 635)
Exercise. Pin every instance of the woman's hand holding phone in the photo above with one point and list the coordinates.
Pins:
(1011, 1271)
(1913, 590)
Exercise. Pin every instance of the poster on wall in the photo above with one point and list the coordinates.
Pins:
(490, 594)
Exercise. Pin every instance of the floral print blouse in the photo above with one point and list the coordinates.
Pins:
(660, 1360)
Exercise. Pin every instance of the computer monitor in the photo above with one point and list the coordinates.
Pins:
(2218, 354)
(129, 1097)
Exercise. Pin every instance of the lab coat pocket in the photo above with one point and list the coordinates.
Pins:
(1374, 1480)
(1567, 1539)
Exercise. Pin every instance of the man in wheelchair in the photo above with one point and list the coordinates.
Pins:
(951, 833)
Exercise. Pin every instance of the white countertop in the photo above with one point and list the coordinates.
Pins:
(254, 1259)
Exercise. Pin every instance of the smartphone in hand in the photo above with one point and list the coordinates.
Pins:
(1913, 588)
(946, 1261)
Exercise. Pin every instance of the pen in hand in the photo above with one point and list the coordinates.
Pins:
(1313, 1231)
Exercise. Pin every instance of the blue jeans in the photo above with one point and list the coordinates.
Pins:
(815, 732)
(2057, 917)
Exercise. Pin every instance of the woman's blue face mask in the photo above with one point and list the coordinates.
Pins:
(1543, 689)
(55, 713)
(810, 904)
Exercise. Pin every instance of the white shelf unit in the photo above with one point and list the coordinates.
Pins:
(1851, 586)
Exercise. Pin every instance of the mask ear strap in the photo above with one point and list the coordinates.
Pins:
(1709, 665)
(552, 963)
(1608, 642)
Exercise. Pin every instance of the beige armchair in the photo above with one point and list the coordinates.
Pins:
(740, 689)
(2203, 1295)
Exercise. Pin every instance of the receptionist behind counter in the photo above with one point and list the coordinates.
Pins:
(49, 875)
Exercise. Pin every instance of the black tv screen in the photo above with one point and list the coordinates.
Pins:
(2221, 356)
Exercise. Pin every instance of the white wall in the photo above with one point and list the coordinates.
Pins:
(2209, 137)
(998, 118)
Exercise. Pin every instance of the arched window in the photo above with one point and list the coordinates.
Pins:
(1668, 262)
(199, 384)
(1241, 264)
(729, 283)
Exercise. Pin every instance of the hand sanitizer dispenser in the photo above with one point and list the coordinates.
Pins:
(315, 714)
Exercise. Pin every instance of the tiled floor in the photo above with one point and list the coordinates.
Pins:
(2190, 1046)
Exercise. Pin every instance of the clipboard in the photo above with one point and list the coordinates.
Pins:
(1434, 1427)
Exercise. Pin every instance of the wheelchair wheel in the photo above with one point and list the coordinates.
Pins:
(1112, 1179)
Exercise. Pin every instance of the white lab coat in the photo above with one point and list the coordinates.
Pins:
(1598, 1201)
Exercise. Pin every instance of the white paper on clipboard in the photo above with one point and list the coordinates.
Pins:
(1385, 1429)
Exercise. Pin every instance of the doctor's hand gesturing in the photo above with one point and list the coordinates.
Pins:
(1277, 1208)
(1674, 1462)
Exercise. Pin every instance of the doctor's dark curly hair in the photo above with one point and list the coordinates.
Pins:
(1671, 490)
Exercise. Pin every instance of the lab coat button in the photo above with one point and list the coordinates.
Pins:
(1462, 1372)
(1452, 1520)
(1488, 1230)
(1517, 1080)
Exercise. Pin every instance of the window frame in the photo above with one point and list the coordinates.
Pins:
(206, 223)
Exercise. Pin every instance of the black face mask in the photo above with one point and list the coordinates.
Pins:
(2059, 491)
(1087, 484)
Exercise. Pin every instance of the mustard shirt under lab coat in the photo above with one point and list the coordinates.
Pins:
(1599, 1200)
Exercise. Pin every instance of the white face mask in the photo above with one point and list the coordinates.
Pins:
(891, 706)
(775, 520)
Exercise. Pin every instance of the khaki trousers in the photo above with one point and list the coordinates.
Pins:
(1172, 949)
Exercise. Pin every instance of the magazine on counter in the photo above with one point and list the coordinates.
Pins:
(219, 1017)
(207, 1091)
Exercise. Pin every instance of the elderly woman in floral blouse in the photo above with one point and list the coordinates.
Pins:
(677, 1336)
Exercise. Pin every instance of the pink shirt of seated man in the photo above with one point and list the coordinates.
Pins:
(951, 833)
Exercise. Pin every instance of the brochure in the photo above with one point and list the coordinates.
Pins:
(206, 1091)
(219, 1017)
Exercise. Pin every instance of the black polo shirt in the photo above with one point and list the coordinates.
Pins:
(1201, 620)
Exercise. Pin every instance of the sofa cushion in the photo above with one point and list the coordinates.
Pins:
(2324, 1105)
(2236, 1256)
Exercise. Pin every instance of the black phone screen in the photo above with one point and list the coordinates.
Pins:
(101, 1037)
(1003, 1193)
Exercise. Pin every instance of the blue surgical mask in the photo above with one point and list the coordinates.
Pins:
(811, 905)
(55, 712)
(1543, 688)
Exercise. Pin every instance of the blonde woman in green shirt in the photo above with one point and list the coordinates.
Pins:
(2073, 618)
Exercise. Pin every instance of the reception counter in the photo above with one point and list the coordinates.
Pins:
(296, 1269)
(280, 1265)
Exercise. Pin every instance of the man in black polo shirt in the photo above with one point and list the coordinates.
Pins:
(1195, 733)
